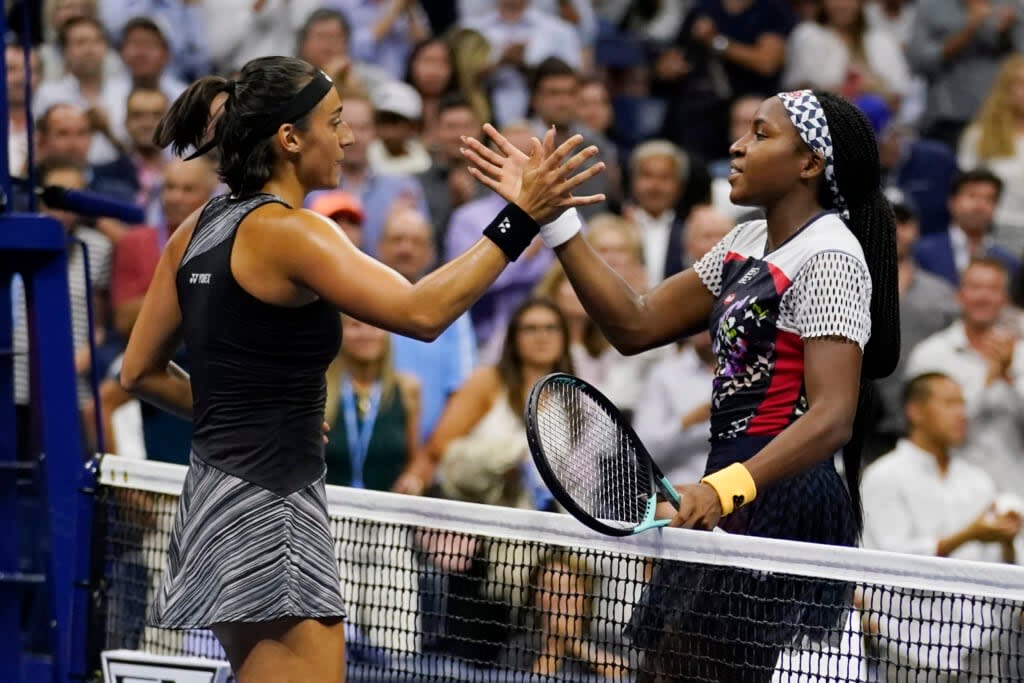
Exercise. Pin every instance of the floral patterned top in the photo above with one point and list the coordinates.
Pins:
(815, 284)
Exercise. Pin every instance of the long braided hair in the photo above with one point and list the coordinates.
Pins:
(872, 222)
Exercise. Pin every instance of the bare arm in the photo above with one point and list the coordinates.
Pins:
(832, 380)
(148, 371)
(764, 57)
(313, 252)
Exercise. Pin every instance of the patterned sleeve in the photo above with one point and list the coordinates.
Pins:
(709, 266)
(831, 297)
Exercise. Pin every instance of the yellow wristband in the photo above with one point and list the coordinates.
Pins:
(734, 486)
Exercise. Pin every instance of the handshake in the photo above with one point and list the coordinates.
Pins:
(540, 183)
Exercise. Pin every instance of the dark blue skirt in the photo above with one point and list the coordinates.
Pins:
(707, 622)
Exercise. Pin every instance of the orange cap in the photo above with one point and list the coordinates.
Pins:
(336, 202)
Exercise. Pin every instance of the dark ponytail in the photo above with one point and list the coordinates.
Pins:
(246, 158)
(872, 222)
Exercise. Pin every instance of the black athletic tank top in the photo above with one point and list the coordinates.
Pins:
(257, 370)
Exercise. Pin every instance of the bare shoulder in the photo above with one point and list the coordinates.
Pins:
(483, 380)
(295, 235)
(409, 386)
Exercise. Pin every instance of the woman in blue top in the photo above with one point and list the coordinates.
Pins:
(791, 302)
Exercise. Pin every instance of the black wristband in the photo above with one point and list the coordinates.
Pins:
(512, 230)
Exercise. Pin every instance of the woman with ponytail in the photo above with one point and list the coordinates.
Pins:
(253, 284)
(802, 309)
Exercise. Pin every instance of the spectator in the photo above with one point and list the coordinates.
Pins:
(995, 140)
(491, 313)
(83, 45)
(972, 207)
(385, 31)
(443, 365)
(558, 609)
(594, 107)
(146, 52)
(927, 305)
(70, 174)
(903, 489)
(345, 210)
(373, 412)
(723, 50)
(987, 361)
(137, 177)
(586, 343)
(676, 425)
(579, 13)
(521, 37)
(839, 51)
(472, 56)
(17, 121)
(431, 71)
(324, 41)
(447, 184)
(397, 149)
(895, 17)
(479, 446)
(554, 91)
(186, 44)
(63, 131)
(56, 14)
(377, 193)
(247, 29)
(705, 227)
(923, 169)
(659, 173)
(957, 45)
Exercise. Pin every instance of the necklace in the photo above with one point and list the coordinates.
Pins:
(363, 400)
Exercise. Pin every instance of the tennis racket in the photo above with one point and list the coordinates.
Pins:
(591, 459)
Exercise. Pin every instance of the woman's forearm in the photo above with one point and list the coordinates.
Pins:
(169, 390)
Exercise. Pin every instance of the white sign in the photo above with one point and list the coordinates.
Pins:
(130, 666)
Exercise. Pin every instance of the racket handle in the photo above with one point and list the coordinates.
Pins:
(670, 492)
(651, 524)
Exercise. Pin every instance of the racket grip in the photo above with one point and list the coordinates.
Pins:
(670, 492)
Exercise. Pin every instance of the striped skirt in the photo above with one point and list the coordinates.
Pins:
(239, 553)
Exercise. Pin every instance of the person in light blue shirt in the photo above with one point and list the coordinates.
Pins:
(441, 366)
(188, 39)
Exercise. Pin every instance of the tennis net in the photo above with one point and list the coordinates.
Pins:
(446, 591)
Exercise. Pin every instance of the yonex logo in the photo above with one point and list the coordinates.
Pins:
(504, 225)
(199, 279)
(749, 275)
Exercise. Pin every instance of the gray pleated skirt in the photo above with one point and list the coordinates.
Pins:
(239, 553)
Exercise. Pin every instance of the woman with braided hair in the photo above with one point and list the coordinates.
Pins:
(802, 309)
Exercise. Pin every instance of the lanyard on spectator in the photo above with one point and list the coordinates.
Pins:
(358, 435)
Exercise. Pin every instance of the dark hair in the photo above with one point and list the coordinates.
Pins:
(550, 68)
(145, 89)
(977, 175)
(510, 365)
(453, 100)
(65, 29)
(318, 17)
(452, 85)
(57, 163)
(246, 164)
(919, 387)
(142, 23)
(858, 175)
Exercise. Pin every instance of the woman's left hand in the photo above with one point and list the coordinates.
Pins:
(699, 507)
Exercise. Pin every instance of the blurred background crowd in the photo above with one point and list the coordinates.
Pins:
(661, 87)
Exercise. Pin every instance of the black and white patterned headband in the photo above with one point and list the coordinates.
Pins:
(809, 118)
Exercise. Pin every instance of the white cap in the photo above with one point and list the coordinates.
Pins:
(399, 98)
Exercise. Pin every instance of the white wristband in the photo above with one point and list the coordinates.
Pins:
(562, 229)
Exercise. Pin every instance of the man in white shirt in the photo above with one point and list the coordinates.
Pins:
(520, 38)
(923, 498)
(17, 122)
(660, 171)
(986, 358)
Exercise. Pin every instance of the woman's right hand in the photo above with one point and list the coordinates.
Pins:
(539, 183)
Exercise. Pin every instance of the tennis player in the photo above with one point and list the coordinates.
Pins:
(253, 284)
(802, 309)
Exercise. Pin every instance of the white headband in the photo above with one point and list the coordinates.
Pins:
(809, 118)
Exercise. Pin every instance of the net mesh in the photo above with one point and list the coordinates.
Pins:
(444, 591)
(591, 456)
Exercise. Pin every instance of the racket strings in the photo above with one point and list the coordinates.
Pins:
(593, 456)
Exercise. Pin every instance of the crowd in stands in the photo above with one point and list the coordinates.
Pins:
(661, 87)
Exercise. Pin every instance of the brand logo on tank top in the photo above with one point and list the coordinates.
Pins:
(749, 275)
(199, 279)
